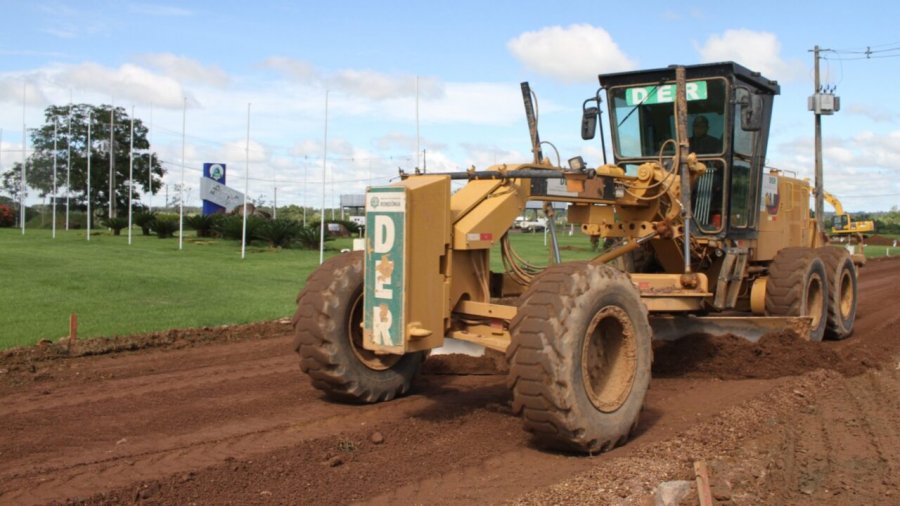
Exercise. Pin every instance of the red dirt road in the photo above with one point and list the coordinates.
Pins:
(213, 417)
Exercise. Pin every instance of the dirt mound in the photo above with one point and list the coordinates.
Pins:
(732, 357)
(879, 240)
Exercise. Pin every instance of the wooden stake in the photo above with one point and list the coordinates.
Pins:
(703, 491)
(73, 330)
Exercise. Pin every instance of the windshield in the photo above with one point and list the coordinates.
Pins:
(644, 118)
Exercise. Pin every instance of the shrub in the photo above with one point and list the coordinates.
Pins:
(204, 225)
(145, 220)
(7, 216)
(116, 224)
(308, 237)
(280, 232)
(231, 227)
(165, 226)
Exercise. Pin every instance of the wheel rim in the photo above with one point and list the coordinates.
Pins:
(609, 359)
(846, 294)
(815, 300)
(355, 334)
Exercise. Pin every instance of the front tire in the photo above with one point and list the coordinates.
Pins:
(580, 357)
(798, 286)
(328, 338)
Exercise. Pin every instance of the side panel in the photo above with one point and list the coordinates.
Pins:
(385, 269)
(784, 216)
(406, 280)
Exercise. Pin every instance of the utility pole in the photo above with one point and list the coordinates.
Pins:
(820, 207)
(821, 104)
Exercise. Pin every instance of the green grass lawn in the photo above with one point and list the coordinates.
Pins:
(117, 289)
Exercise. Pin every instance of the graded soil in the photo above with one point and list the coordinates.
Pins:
(224, 416)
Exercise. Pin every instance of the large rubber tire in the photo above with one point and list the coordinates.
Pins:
(798, 286)
(840, 271)
(328, 338)
(580, 357)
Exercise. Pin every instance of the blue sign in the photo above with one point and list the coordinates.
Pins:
(216, 172)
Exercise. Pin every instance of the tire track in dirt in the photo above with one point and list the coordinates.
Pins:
(102, 467)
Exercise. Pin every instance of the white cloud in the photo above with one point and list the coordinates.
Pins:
(759, 51)
(484, 155)
(181, 68)
(475, 103)
(13, 87)
(129, 83)
(577, 53)
(877, 114)
(293, 68)
(860, 170)
(237, 150)
(380, 86)
(363, 83)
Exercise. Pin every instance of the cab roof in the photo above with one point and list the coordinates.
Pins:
(667, 74)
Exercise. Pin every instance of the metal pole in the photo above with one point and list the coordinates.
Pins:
(417, 122)
(130, 173)
(112, 160)
(324, 164)
(275, 203)
(53, 233)
(303, 202)
(820, 208)
(90, 120)
(246, 186)
(69, 160)
(24, 150)
(150, 164)
(181, 194)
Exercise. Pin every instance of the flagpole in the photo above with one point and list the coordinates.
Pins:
(324, 165)
(246, 187)
(69, 160)
(150, 165)
(130, 173)
(112, 158)
(181, 198)
(55, 156)
(24, 159)
(90, 120)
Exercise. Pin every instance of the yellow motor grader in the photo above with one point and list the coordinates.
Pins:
(714, 243)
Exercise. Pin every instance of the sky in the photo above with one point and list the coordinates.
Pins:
(205, 65)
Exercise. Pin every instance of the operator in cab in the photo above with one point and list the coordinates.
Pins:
(702, 143)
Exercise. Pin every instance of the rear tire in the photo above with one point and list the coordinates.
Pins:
(328, 338)
(580, 357)
(798, 286)
(840, 271)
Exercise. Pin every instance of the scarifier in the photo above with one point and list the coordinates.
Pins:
(705, 237)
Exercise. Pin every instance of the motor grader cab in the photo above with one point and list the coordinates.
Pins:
(733, 250)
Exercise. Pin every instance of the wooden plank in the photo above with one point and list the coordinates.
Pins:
(703, 491)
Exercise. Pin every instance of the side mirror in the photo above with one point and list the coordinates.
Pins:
(589, 122)
(751, 110)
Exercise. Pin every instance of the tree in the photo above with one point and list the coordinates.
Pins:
(40, 163)
(12, 183)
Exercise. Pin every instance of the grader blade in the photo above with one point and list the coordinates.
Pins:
(751, 328)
